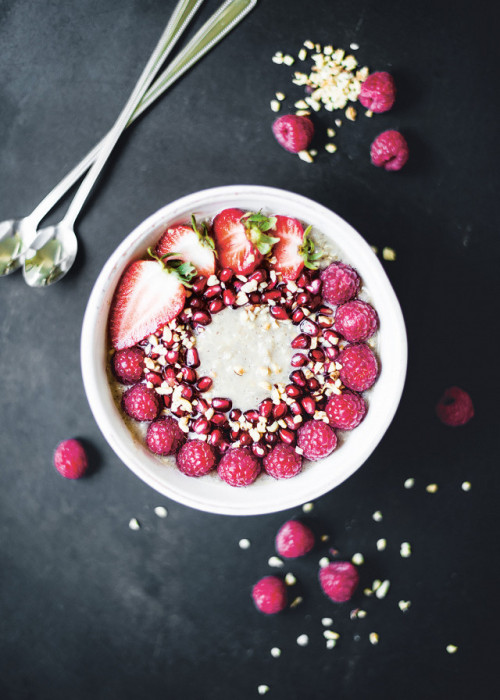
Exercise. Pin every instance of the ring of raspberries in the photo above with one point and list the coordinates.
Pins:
(242, 259)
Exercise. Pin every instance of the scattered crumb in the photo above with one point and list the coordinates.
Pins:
(330, 643)
(262, 689)
(161, 512)
(290, 579)
(308, 507)
(451, 648)
(404, 605)
(134, 524)
(324, 561)
(381, 544)
(330, 634)
(296, 601)
(244, 543)
(276, 652)
(466, 486)
(325, 538)
(326, 621)
(377, 516)
(383, 589)
(275, 105)
(358, 559)
(405, 550)
(354, 46)
(373, 638)
(303, 640)
(389, 254)
(431, 488)
(275, 561)
(409, 483)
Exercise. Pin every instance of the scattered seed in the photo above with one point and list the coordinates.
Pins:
(330, 643)
(262, 689)
(326, 621)
(466, 486)
(368, 592)
(405, 550)
(134, 524)
(244, 543)
(275, 561)
(404, 605)
(330, 147)
(324, 561)
(383, 589)
(303, 640)
(389, 253)
(369, 113)
(308, 507)
(431, 488)
(280, 96)
(358, 559)
(373, 638)
(296, 601)
(305, 156)
(302, 55)
(276, 652)
(275, 106)
(330, 634)
(451, 648)
(351, 113)
(361, 614)
(353, 46)
(381, 544)
(376, 584)
(290, 579)
(377, 516)
(325, 538)
(409, 483)
(161, 512)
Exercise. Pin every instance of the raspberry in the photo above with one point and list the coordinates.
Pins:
(239, 467)
(339, 580)
(345, 411)
(269, 595)
(196, 458)
(356, 320)
(389, 150)
(294, 539)
(164, 437)
(359, 367)
(316, 439)
(455, 407)
(293, 132)
(141, 403)
(128, 365)
(378, 92)
(283, 462)
(70, 459)
(340, 283)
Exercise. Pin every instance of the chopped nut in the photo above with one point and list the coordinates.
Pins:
(244, 543)
(383, 589)
(324, 561)
(466, 486)
(326, 621)
(381, 544)
(276, 652)
(404, 605)
(290, 579)
(405, 550)
(262, 689)
(373, 638)
(305, 156)
(280, 96)
(296, 601)
(275, 106)
(388, 253)
(451, 648)
(303, 640)
(330, 147)
(358, 559)
(161, 512)
(409, 483)
(275, 562)
(330, 634)
(134, 524)
(431, 488)
(377, 516)
(351, 113)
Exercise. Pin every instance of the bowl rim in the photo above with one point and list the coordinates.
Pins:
(94, 358)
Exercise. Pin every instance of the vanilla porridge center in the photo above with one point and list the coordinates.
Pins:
(245, 351)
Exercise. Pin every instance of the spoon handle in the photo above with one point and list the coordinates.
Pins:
(215, 29)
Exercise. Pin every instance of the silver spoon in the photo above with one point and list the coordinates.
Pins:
(58, 243)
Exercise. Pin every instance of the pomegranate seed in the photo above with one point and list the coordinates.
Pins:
(324, 321)
(303, 299)
(287, 436)
(187, 392)
(315, 302)
(238, 284)
(154, 355)
(234, 434)
(219, 419)
(203, 318)
(309, 405)
(321, 402)
(245, 439)
(293, 391)
(199, 284)
(317, 355)
(291, 425)
(211, 292)
(331, 337)
(313, 384)
(266, 408)
(224, 446)
(298, 360)
(204, 383)
(226, 275)
(201, 426)
(215, 437)
(197, 303)
(229, 297)
(179, 412)
(332, 352)
(325, 311)
(259, 276)
(309, 327)
(172, 356)
(252, 416)
(154, 379)
(302, 280)
(170, 377)
(202, 405)
(259, 450)
(297, 316)
(301, 342)
(192, 357)
(235, 414)
(215, 306)
(254, 298)
(295, 408)
(279, 312)
(167, 400)
(188, 374)
(314, 286)
(184, 317)
(279, 410)
(221, 404)
(271, 295)
(271, 438)
(297, 377)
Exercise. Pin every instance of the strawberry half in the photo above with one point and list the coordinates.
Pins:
(190, 244)
(294, 249)
(150, 294)
(241, 239)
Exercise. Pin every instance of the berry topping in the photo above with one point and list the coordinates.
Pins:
(283, 462)
(293, 132)
(340, 283)
(359, 367)
(70, 459)
(316, 439)
(378, 92)
(345, 411)
(239, 467)
(455, 407)
(294, 248)
(141, 403)
(150, 294)
(196, 458)
(356, 320)
(191, 244)
(164, 437)
(339, 580)
(269, 595)
(294, 539)
(242, 240)
(389, 150)
(128, 365)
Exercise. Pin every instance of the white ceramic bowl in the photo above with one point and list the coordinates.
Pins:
(210, 493)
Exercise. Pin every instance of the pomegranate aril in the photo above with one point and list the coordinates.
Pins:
(302, 280)
(223, 446)
(271, 438)
(197, 303)
(331, 337)
(254, 298)
(199, 284)
(290, 423)
(324, 321)
(170, 376)
(235, 414)
(314, 286)
(317, 355)
(222, 404)
(229, 297)
(211, 292)
(297, 316)
(204, 383)
(297, 377)
(202, 405)
(313, 384)
(325, 311)
(187, 392)
(301, 342)
(259, 276)
(279, 410)
(293, 391)
(271, 295)
(153, 379)
(245, 439)
(266, 408)
(184, 316)
(315, 302)
(309, 405)
(215, 437)
(298, 360)
(295, 408)
(303, 299)
(287, 436)
(234, 434)
(192, 358)
(219, 419)
(252, 416)
(215, 306)
(202, 318)
(226, 275)
(172, 356)
(179, 412)
(332, 352)
(259, 450)
(201, 426)
(188, 375)
(238, 284)
(309, 327)
(279, 312)
(167, 400)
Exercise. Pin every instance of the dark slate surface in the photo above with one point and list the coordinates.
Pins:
(91, 609)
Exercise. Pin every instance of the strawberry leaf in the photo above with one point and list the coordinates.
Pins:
(256, 224)
(204, 236)
(308, 252)
(185, 271)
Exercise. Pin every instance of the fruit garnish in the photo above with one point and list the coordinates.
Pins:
(192, 244)
(294, 249)
(242, 239)
(293, 132)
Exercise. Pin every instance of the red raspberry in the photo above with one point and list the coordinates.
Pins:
(269, 595)
(164, 437)
(340, 283)
(316, 439)
(141, 403)
(356, 320)
(339, 580)
(345, 411)
(359, 367)
(239, 467)
(196, 458)
(70, 459)
(293, 132)
(294, 539)
(389, 150)
(455, 407)
(128, 365)
(283, 462)
(378, 92)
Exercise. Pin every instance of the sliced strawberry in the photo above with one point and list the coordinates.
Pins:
(148, 295)
(294, 249)
(189, 243)
(241, 239)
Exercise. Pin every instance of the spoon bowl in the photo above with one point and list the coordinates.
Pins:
(54, 255)
(16, 235)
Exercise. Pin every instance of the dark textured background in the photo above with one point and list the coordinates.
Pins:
(91, 609)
